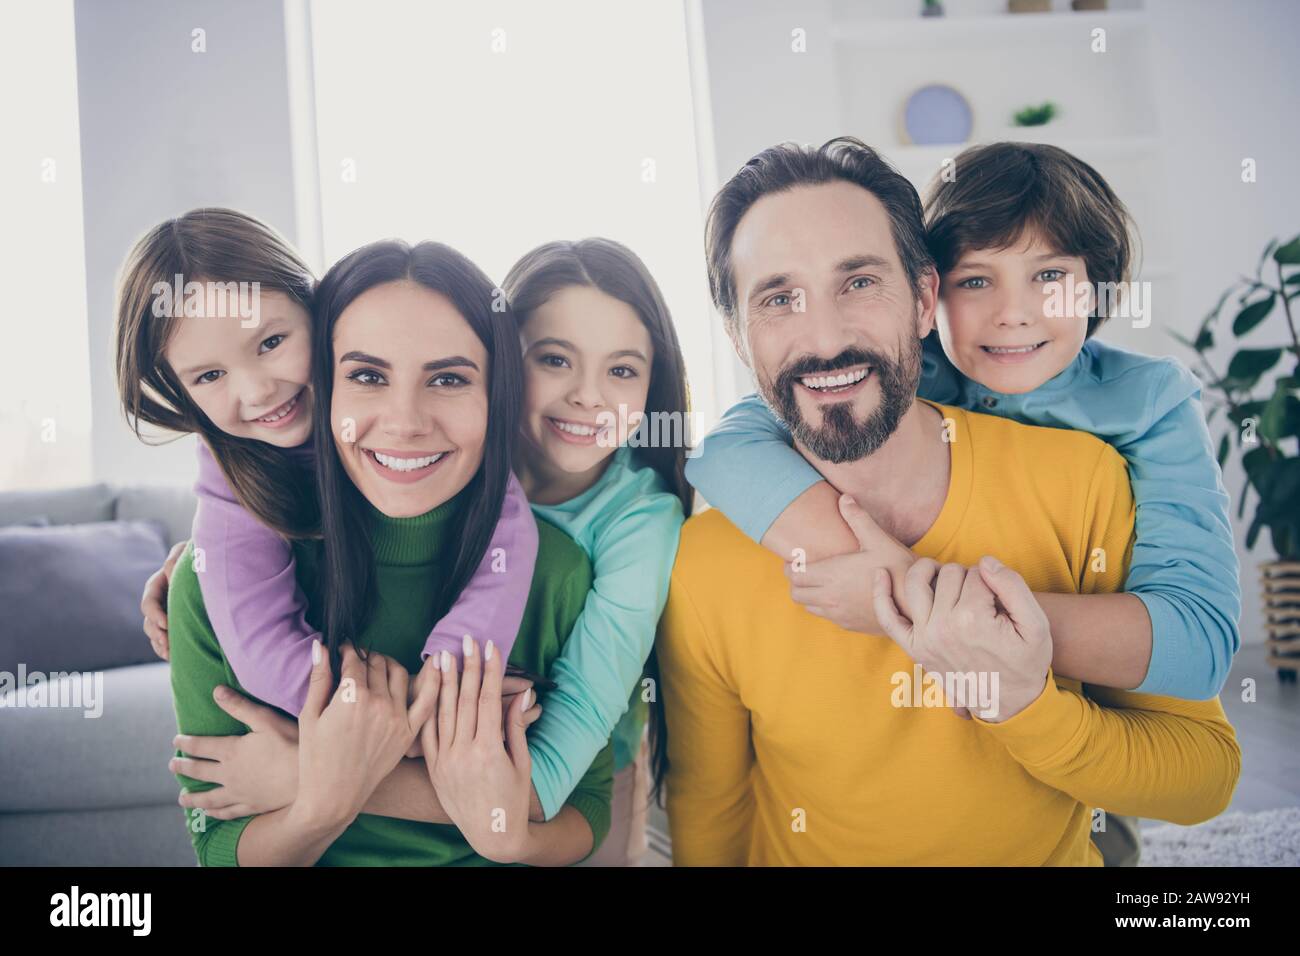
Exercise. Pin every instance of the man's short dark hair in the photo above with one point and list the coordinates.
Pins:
(787, 165)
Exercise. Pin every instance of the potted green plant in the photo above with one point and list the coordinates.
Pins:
(1259, 394)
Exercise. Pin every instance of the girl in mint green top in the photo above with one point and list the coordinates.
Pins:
(601, 455)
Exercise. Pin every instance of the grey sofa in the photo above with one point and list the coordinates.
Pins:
(95, 792)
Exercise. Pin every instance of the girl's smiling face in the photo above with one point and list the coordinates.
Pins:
(250, 382)
(410, 404)
(998, 322)
(587, 361)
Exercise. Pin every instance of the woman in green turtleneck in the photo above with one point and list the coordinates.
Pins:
(408, 356)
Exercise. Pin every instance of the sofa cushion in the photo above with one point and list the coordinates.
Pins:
(70, 595)
(61, 506)
(59, 758)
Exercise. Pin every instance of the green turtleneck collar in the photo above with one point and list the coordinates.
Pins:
(406, 542)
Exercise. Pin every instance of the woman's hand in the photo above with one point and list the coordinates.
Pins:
(256, 772)
(351, 739)
(839, 588)
(511, 687)
(153, 605)
(482, 781)
(983, 620)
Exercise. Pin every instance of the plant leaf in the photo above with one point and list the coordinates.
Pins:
(1223, 449)
(1252, 315)
(1249, 364)
(1288, 255)
(1259, 268)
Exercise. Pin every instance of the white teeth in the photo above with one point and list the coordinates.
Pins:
(1009, 351)
(405, 464)
(284, 411)
(835, 381)
(584, 430)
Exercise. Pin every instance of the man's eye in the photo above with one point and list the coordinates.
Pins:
(779, 299)
(971, 283)
(270, 343)
(366, 376)
(866, 282)
(208, 377)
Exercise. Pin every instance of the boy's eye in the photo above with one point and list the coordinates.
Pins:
(366, 376)
(623, 371)
(208, 377)
(1052, 275)
(270, 343)
(448, 380)
(971, 283)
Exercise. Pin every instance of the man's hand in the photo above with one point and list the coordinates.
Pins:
(153, 605)
(839, 588)
(983, 620)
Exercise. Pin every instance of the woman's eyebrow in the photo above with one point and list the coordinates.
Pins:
(551, 340)
(449, 362)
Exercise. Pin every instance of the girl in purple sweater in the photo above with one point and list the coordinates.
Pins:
(213, 338)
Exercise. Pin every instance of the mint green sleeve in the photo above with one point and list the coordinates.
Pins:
(747, 467)
(606, 651)
(197, 667)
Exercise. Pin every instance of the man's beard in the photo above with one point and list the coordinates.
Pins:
(841, 438)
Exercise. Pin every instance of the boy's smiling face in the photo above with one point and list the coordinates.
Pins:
(1001, 324)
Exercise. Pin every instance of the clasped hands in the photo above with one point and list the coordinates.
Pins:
(948, 618)
(470, 728)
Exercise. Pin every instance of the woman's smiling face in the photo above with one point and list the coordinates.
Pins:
(249, 382)
(410, 403)
(587, 360)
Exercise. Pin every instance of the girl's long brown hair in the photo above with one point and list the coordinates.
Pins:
(617, 271)
(210, 245)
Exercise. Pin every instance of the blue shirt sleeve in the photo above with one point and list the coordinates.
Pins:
(604, 656)
(748, 468)
(1184, 566)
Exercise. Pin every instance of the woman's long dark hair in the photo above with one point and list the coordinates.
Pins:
(616, 270)
(347, 585)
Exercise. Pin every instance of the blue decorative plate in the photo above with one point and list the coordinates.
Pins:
(937, 115)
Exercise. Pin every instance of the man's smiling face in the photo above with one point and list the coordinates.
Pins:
(827, 317)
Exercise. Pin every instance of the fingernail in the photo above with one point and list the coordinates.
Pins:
(992, 563)
(220, 692)
(315, 651)
(446, 662)
(467, 646)
(489, 650)
(527, 698)
(847, 501)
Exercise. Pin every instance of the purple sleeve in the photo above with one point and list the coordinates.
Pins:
(492, 604)
(246, 574)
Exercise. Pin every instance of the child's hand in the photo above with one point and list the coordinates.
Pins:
(839, 588)
(256, 772)
(153, 605)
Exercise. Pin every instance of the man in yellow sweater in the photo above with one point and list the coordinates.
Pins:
(794, 742)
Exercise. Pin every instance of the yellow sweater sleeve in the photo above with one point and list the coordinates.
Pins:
(1135, 754)
(710, 752)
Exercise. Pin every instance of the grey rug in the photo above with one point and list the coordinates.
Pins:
(1263, 838)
